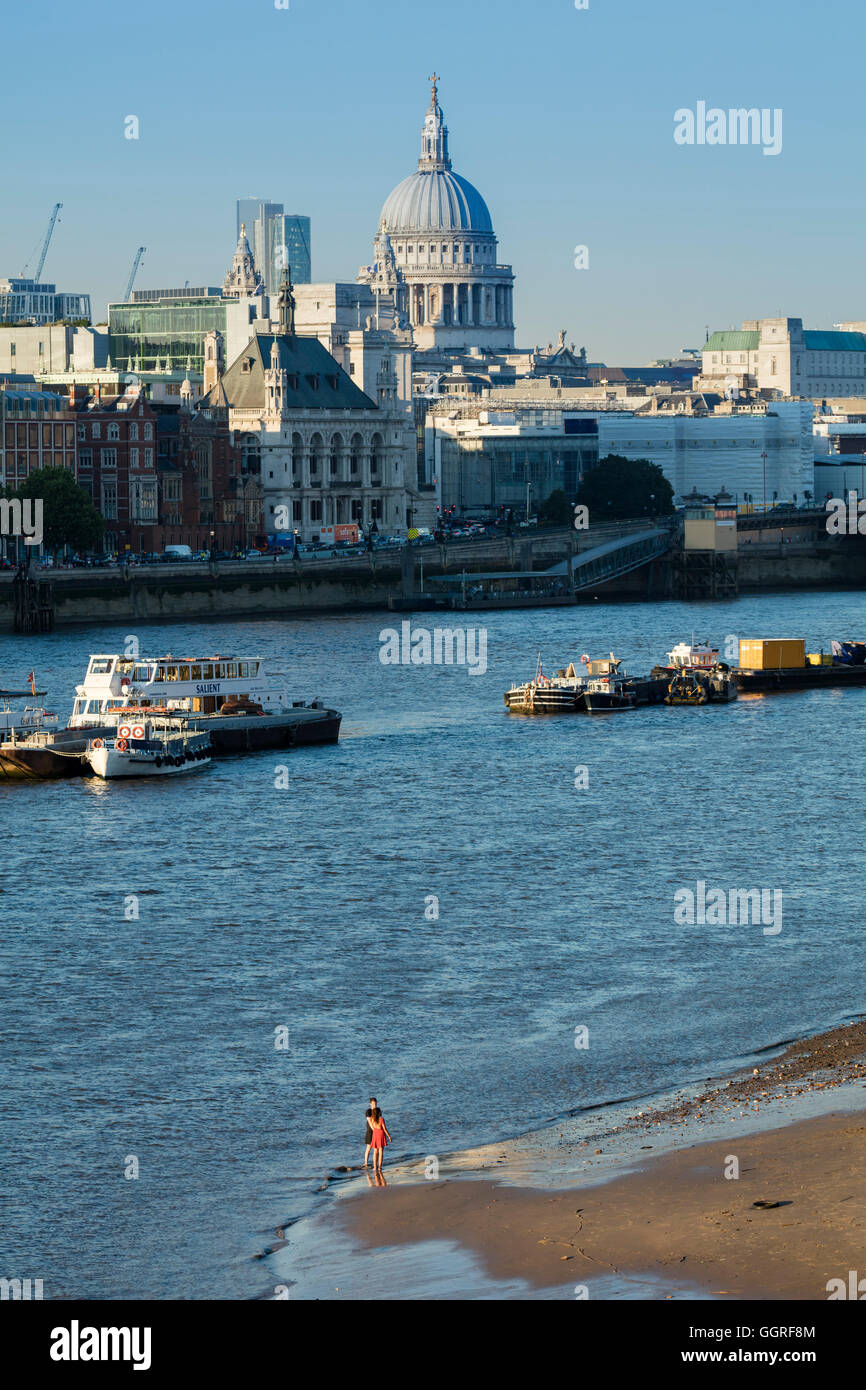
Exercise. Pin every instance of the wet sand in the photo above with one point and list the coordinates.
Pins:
(675, 1216)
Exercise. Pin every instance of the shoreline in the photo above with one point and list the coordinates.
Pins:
(626, 1201)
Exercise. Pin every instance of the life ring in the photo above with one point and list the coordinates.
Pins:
(137, 731)
(123, 731)
(121, 745)
(97, 743)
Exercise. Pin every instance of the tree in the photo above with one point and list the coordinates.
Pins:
(619, 487)
(555, 510)
(68, 514)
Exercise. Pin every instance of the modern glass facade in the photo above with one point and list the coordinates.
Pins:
(277, 240)
(288, 241)
(172, 329)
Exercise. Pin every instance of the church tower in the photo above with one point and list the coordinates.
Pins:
(242, 278)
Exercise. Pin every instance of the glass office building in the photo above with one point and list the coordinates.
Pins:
(165, 327)
(277, 240)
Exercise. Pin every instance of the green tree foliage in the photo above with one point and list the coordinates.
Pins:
(68, 514)
(621, 487)
(556, 510)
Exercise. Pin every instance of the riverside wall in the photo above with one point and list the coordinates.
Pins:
(289, 588)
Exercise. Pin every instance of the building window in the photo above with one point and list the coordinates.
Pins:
(109, 458)
(82, 431)
(109, 501)
(148, 431)
(133, 458)
(96, 430)
(133, 430)
(113, 430)
(148, 458)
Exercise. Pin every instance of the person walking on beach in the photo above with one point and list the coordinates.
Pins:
(381, 1137)
(368, 1137)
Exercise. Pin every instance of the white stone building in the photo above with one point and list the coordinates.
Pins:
(438, 229)
(326, 451)
(780, 355)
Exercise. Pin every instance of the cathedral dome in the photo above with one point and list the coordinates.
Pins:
(436, 200)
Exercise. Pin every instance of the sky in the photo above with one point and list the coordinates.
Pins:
(563, 118)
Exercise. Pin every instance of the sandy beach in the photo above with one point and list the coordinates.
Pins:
(753, 1187)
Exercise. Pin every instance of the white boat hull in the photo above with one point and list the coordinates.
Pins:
(109, 763)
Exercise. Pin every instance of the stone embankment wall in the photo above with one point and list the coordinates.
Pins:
(263, 588)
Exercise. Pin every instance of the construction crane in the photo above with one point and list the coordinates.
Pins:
(48, 235)
(132, 274)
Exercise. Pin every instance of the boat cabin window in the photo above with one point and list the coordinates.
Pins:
(232, 670)
(254, 668)
(141, 673)
(243, 668)
(171, 673)
(100, 666)
(183, 673)
(195, 673)
(124, 668)
(219, 671)
(93, 707)
(207, 671)
(160, 673)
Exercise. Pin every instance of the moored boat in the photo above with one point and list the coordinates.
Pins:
(233, 699)
(148, 746)
(558, 694)
(696, 676)
(608, 691)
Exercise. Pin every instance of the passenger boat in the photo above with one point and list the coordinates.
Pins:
(232, 698)
(697, 676)
(25, 721)
(149, 745)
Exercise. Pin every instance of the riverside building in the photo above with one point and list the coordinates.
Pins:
(327, 452)
(779, 355)
(484, 452)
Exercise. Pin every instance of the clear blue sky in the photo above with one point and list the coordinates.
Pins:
(563, 119)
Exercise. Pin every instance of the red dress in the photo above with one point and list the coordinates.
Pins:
(378, 1136)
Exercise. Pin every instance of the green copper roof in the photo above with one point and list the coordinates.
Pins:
(732, 342)
(835, 342)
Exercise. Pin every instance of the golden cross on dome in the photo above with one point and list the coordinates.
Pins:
(435, 77)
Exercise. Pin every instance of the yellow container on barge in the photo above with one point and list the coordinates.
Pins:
(772, 653)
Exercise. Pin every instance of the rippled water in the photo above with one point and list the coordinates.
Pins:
(305, 907)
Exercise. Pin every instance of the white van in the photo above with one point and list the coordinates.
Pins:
(177, 552)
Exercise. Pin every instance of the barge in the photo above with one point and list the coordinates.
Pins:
(768, 664)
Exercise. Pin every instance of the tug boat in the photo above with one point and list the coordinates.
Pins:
(148, 746)
(608, 691)
(698, 677)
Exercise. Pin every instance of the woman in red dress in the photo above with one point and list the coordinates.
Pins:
(381, 1137)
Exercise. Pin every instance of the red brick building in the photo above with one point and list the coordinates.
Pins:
(37, 430)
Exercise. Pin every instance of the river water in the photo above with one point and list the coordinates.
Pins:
(287, 960)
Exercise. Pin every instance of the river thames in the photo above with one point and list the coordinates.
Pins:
(284, 958)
